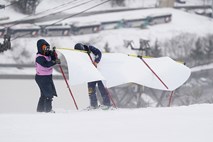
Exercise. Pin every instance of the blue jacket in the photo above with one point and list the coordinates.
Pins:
(96, 52)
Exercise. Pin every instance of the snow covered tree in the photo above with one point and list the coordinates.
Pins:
(156, 50)
(209, 47)
(27, 6)
(107, 48)
(198, 54)
(179, 47)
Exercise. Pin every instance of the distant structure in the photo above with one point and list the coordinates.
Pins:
(212, 8)
(2, 6)
(27, 6)
(143, 50)
(77, 28)
(166, 3)
(6, 45)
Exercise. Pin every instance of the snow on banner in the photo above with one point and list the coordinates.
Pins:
(117, 69)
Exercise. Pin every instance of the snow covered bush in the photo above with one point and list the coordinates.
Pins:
(190, 48)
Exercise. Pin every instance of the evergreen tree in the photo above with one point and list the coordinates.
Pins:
(198, 54)
(106, 47)
(156, 51)
(27, 6)
(209, 47)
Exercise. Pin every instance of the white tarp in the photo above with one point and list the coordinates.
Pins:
(80, 68)
(118, 68)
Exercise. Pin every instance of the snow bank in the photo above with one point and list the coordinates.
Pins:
(176, 124)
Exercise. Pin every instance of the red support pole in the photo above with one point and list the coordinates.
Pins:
(154, 72)
(68, 86)
(108, 93)
(170, 98)
(110, 96)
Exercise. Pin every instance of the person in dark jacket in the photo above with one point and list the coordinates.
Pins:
(92, 85)
(44, 62)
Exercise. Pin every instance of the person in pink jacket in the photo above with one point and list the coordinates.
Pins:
(44, 62)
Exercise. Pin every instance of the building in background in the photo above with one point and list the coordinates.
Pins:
(166, 3)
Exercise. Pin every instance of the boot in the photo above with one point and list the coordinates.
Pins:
(40, 107)
(93, 101)
(48, 104)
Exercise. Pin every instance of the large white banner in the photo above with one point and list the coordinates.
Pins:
(117, 68)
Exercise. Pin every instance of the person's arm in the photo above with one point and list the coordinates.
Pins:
(97, 54)
(43, 62)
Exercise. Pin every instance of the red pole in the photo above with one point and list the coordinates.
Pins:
(110, 96)
(153, 72)
(68, 86)
(108, 93)
(170, 98)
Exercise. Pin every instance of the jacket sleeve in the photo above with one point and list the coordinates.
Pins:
(43, 62)
(96, 52)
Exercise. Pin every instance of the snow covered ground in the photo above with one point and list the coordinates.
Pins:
(21, 96)
(176, 124)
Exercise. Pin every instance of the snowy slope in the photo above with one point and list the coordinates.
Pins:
(176, 124)
(182, 22)
(49, 5)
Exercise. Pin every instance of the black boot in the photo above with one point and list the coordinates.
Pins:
(48, 105)
(93, 100)
(104, 94)
(40, 107)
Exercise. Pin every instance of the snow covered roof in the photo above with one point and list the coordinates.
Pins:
(160, 14)
(81, 24)
(58, 27)
(25, 26)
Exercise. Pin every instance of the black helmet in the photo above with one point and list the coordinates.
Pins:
(79, 46)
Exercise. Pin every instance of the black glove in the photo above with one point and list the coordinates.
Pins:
(56, 61)
(86, 48)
